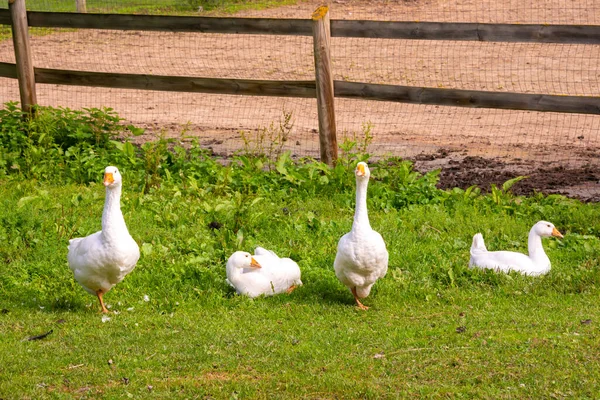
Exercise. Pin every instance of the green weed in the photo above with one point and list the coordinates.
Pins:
(267, 142)
(435, 328)
(187, 7)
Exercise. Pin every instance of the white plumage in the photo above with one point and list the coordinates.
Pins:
(361, 257)
(536, 263)
(101, 260)
(263, 273)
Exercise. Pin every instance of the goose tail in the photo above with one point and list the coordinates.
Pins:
(260, 251)
(73, 243)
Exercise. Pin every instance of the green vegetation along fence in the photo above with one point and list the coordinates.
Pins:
(548, 104)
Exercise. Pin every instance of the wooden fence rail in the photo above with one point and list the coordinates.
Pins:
(469, 98)
(307, 89)
(167, 23)
(5, 17)
(247, 87)
(529, 33)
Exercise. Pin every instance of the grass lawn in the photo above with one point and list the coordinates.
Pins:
(153, 6)
(435, 328)
(158, 7)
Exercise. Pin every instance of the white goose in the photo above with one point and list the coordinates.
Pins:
(361, 257)
(262, 273)
(101, 260)
(536, 263)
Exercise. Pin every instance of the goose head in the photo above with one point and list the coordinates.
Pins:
(362, 171)
(546, 229)
(242, 259)
(112, 177)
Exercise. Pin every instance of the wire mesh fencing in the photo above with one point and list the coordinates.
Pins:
(433, 136)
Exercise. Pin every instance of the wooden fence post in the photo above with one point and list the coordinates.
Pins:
(81, 6)
(324, 79)
(25, 74)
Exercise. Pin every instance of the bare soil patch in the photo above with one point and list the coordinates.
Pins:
(575, 182)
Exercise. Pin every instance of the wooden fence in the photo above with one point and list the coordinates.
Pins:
(324, 88)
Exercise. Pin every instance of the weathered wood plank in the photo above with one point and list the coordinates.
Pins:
(247, 87)
(4, 17)
(533, 33)
(468, 98)
(536, 33)
(8, 70)
(583, 34)
(24, 60)
(307, 89)
(260, 26)
(324, 86)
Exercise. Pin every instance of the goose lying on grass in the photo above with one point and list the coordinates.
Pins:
(361, 257)
(262, 273)
(101, 260)
(536, 263)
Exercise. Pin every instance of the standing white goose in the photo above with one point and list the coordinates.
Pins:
(536, 263)
(262, 273)
(101, 260)
(361, 257)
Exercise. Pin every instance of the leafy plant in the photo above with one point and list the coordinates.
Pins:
(267, 142)
(503, 196)
(436, 328)
(354, 146)
(205, 4)
(59, 143)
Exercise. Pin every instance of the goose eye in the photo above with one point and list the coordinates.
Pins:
(548, 226)
(246, 255)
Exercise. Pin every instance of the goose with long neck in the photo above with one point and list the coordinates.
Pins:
(361, 257)
(536, 263)
(263, 273)
(101, 260)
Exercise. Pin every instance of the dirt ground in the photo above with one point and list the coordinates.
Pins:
(559, 152)
(576, 182)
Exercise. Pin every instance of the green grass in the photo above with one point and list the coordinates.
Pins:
(195, 338)
(121, 6)
(435, 329)
(153, 7)
(189, 7)
(6, 33)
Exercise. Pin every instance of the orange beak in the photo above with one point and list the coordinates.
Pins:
(556, 233)
(254, 263)
(360, 170)
(108, 178)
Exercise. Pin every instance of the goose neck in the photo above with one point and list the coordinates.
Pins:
(113, 223)
(361, 215)
(535, 248)
(234, 273)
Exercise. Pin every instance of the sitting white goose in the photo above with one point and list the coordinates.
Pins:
(536, 263)
(361, 257)
(262, 273)
(101, 260)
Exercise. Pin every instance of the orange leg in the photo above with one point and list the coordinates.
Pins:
(100, 293)
(358, 303)
(291, 289)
